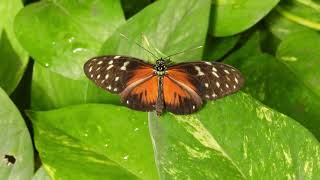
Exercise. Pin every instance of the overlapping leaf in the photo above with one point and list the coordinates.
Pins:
(292, 16)
(13, 58)
(16, 151)
(229, 17)
(278, 85)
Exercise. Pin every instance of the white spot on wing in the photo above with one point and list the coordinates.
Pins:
(236, 80)
(234, 86)
(90, 69)
(214, 69)
(200, 73)
(98, 69)
(115, 89)
(226, 71)
(116, 79)
(193, 107)
(109, 67)
(109, 87)
(215, 74)
(107, 76)
(127, 101)
(227, 86)
(218, 84)
(100, 62)
(98, 76)
(124, 67)
(208, 63)
(110, 62)
(214, 95)
(206, 84)
(102, 81)
(116, 57)
(207, 96)
(91, 75)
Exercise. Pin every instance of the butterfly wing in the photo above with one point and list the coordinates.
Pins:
(132, 78)
(208, 80)
(179, 97)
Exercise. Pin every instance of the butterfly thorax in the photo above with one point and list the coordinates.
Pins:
(160, 67)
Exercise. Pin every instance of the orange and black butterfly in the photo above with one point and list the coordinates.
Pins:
(181, 89)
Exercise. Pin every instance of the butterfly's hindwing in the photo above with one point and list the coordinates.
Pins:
(180, 98)
(141, 94)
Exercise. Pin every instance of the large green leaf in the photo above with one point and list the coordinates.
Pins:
(51, 90)
(279, 86)
(168, 26)
(14, 58)
(234, 138)
(16, 151)
(62, 35)
(292, 16)
(229, 17)
(94, 141)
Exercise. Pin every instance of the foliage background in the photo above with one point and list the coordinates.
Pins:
(58, 125)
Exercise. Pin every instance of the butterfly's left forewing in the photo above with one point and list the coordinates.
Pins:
(127, 76)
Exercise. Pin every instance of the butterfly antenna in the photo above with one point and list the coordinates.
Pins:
(140, 46)
(181, 52)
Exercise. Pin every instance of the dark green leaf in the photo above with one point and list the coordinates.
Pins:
(94, 141)
(292, 16)
(216, 48)
(234, 138)
(14, 58)
(62, 35)
(16, 152)
(279, 86)
(229, 17)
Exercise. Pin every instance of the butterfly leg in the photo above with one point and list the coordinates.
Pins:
(160, 100)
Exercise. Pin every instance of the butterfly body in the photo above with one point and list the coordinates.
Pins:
(181, 88)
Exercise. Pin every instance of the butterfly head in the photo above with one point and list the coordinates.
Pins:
(160, 67)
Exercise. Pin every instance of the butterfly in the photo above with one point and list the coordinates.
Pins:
(178, 88)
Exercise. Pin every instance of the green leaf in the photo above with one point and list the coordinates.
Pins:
(216, 48)
(229, 17)
(234, 138)
(16, 152)
(300, 52)
(279, 86)
(41, 174)
(292, 16)
(169, 26)
(62, 35)
(14, 58)
(281, 26)
(51, 90)
(94, 141)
